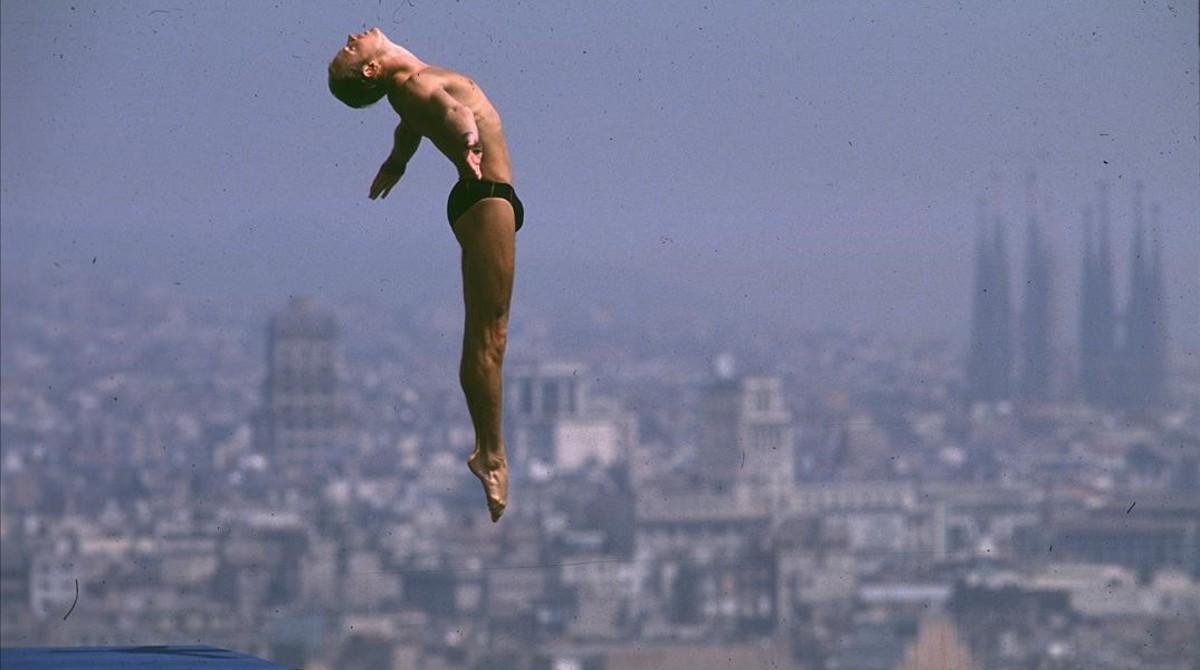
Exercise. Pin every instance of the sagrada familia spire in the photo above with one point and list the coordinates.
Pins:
(1037, 362)
(989, 366)
(1122, 354)
(1005, 361)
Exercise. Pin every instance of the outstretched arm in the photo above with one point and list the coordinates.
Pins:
(404, 145)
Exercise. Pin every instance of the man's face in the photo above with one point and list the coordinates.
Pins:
(362, 46)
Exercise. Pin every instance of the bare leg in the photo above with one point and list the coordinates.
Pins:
(486, 234)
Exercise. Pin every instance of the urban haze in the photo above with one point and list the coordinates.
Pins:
(856, 335)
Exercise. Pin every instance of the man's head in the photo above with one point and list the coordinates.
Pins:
(354, 73)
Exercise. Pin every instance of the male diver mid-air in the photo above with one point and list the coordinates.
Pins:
(483, 210)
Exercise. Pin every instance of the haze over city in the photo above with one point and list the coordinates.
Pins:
(808, 166)
(845, 336)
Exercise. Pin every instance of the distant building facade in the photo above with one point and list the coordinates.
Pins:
(554, 421)
(304, 410)
(746, 434)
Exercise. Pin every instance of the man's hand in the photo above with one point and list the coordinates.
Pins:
(473, 156)
(389, 174)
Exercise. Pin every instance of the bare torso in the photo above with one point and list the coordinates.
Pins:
(409, 100)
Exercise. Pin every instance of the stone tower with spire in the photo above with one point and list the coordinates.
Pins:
(1036, 345)
(990, 359)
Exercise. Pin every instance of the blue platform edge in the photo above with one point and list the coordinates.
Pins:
(102, 658)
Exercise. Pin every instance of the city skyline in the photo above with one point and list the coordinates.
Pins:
(655, 519)
(844, 336)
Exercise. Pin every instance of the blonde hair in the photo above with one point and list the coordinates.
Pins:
(347, 84)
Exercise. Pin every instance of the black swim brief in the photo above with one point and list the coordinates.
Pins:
(470, 191)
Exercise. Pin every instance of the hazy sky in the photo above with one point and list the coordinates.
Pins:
(815, 162)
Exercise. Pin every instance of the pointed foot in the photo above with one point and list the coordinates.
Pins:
(493, 474)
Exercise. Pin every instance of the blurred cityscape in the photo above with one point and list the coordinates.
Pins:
(291, 482)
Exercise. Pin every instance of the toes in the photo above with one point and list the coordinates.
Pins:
(495, 509)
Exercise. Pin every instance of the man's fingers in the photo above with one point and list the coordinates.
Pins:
(382, 186)
(474, 160)
(378, 185)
